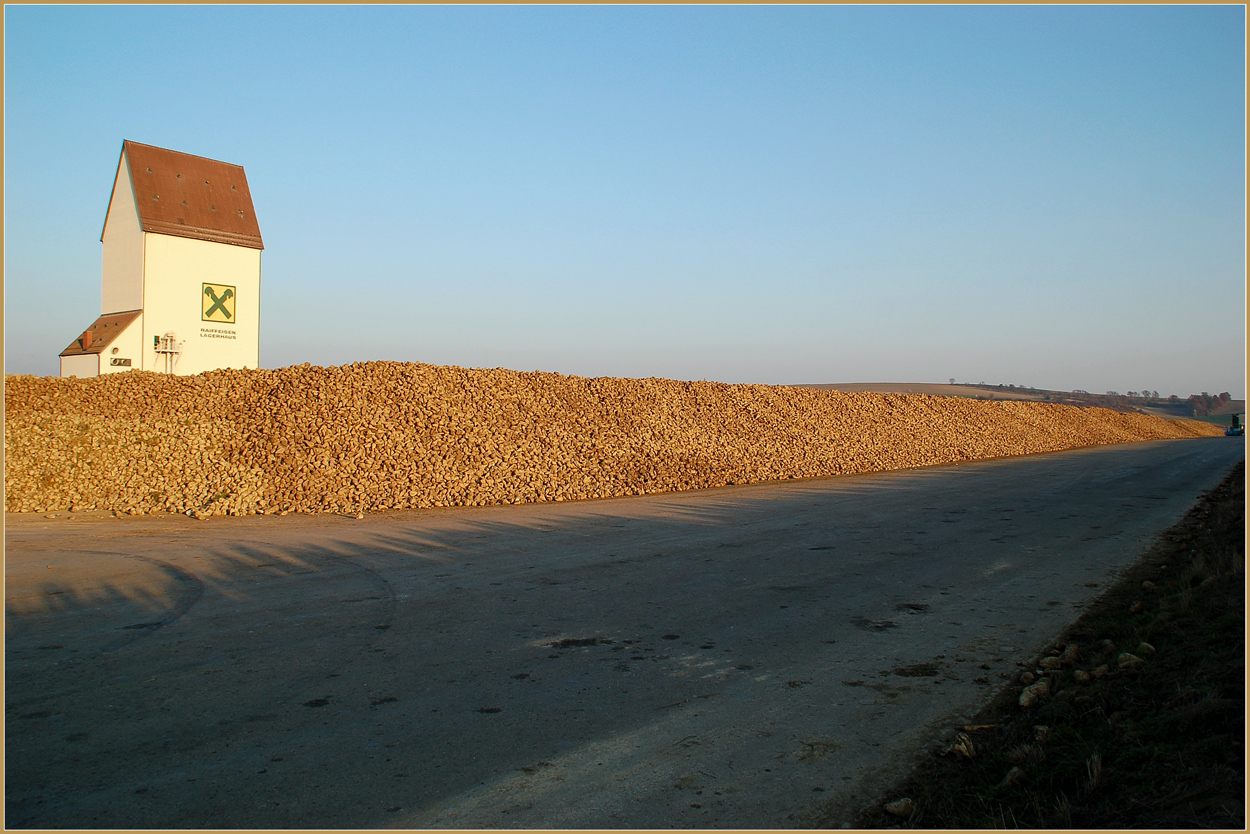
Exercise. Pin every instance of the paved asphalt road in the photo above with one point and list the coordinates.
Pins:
(746, 657)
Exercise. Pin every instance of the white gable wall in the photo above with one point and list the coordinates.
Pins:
(126, 345)
(81, 365)
(123, 248)
(175, 271)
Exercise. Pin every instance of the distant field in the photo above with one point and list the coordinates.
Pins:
(1231, 407)
(937, 389)
(1157, 408)
(1214, 419)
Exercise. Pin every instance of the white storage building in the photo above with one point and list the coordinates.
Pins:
(181, 276)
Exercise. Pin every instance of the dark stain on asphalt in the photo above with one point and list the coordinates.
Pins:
(317, 702)
(190, 590)
(569, 642)
(918, 670)
(873, 625)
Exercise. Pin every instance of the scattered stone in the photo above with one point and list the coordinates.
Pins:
(900, 807)
(1027, 678)
(1136, 607)
(1041, 732)
(1145, 649)
(1051, 663)
(963, 746)
(1035, 693)
(1148, 585)
(1070, 655)
(1129, 661)
(1099, 671)
(1014, 777)
(1081, 676)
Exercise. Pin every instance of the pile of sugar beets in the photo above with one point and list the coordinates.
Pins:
(388, 435)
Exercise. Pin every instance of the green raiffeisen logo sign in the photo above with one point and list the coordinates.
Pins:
(218, 303)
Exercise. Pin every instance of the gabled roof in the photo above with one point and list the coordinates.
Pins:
(189, 196)
(101, 333)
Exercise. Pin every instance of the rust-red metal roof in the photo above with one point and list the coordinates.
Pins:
(190, 196)
(101, 333)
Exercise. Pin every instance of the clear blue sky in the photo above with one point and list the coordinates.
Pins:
(1046, 196)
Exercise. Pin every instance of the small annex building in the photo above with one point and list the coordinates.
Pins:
(180, 292)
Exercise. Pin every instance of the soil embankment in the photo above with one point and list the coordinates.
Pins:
(386, 435)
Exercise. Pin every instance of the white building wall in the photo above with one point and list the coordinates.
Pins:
(126, 345)
(82, 365)
(175, 270)
(123, 249)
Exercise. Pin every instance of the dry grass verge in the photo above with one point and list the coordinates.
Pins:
(1143, 725)
(386, 435)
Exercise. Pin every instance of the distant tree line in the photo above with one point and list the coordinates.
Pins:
(1197, 405)
(1203, 404)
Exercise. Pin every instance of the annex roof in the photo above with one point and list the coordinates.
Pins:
(101, 333)
(190, 196)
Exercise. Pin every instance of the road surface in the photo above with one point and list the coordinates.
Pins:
(745, 657)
